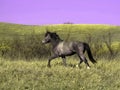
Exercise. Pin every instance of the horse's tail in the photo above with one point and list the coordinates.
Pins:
(89, 53)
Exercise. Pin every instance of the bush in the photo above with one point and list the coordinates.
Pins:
(25, 47)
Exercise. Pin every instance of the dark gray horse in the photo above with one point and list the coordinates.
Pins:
(62, 49)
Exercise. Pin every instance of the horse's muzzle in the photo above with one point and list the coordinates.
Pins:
(43, 41)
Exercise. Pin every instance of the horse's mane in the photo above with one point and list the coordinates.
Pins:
(53, 35)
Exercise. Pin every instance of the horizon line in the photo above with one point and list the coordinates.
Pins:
(60, 24)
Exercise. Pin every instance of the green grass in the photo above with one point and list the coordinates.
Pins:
(34, 75)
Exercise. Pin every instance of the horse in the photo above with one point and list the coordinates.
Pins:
(63, 48)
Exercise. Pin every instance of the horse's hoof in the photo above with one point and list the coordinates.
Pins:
(77, 66)
(48, 66)
(88, 67)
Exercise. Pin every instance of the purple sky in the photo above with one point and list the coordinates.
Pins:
(60, 11)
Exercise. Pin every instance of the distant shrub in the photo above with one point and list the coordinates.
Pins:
(68, 23)
(4, 48)
(26, 47)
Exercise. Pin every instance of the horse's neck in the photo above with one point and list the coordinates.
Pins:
(55, 42)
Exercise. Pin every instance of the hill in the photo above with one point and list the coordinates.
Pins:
(26, 39)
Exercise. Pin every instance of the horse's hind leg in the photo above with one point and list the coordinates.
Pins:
(80, 62)
(80, 52)
(83, 59)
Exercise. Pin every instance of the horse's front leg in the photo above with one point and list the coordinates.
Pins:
(64, 60)
(49, 60)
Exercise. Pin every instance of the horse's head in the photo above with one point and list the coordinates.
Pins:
(49, 36)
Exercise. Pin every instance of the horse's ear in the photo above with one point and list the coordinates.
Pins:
(47, 31)
(54, 32)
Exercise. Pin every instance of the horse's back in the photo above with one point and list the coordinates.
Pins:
(65, 48)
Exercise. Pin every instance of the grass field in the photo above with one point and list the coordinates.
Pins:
(34, 75)
(19, 73)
